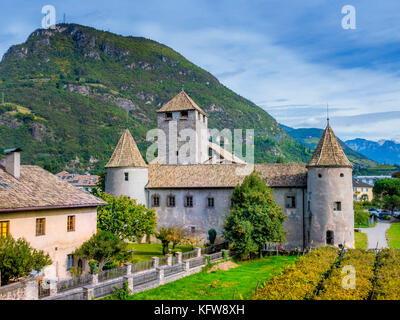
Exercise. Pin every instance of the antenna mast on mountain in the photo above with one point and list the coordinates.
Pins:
(327, 113)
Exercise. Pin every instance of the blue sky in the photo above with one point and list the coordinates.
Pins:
(289, 57)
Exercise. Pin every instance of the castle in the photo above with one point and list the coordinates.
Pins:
(317, 197)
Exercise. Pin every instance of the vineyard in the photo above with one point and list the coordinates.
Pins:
(331, 274)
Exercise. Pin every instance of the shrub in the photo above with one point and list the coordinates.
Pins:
(300, 280)
(363, 262)
(387, 285)
(212, 234)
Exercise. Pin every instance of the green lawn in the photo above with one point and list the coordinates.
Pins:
(361, 240)
(145, 251)
(219, 285)
(393, 235)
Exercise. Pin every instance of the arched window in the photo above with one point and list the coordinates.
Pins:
(330, 237)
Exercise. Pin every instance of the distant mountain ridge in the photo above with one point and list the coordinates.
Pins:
(383, 151)
(68, 93)
(310, 137)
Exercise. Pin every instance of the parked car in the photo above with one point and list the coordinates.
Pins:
(372, 209)
(385, 213)
(374, 214)
(396, 213)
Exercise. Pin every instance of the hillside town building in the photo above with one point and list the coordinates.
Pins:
(317, 198)
(51, 214)
(84, 182)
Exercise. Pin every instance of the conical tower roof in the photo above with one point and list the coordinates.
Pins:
(181, 102)
(329, 153)
(126, 154)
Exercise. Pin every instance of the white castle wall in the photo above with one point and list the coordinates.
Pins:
(133, 188)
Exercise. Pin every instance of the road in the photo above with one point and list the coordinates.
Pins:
(377, 235)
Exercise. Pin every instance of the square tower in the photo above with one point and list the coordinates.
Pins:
(185, 128)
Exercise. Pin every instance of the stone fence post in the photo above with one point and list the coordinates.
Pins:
(178, 257)
(95, 279)
(31, 289)
(88, 292)
(156, 261)
(186, 266)
(130, 282)
(198, 252)
(169, 259)
(128, 270)
(53, 287)
(161, 280)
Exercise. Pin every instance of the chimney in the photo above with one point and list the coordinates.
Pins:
(13, 162)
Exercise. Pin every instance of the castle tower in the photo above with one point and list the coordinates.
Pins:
(127, 172)
(330, 215)
(173, 119)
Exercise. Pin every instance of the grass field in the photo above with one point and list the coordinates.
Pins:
(145, 251)
(393, 235)
(219, 285)
(361, 240)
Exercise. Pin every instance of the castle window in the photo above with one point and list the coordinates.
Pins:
(171, 201)
(204, 118)
(342, 175)
(71, 223)
(70, 261)
(168, 116)
(319, 175)
(188, 201)
(337, 206)
(210, 202)
(210, 152)
(126, 176)
(290, 202)
(330, 238)
(156, 201)
(193, 229)
(184, 115)
(40, 226)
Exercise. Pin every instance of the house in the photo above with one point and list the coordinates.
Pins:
(51, 214)
(362, 190)
(371, 179)
(317, 197)
(84, 182)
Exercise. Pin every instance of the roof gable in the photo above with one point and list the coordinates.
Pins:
(181, 102)
(38, 189)
(126, 153)
(329, 153)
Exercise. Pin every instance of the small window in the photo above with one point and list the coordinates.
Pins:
(319, 175)
(188, 201)
(4, 228)
(290, 202)
(198, 115)
(342, 175)
(193, 229)
(40, 226)
(204, 118)
(171, 201)
(156, 201)
(210, 202)
(70, 261)
(126, 176)
(71, 223)
(184, 114)
(210, 152)
(168, 116)
(330, 238)
(337, 206)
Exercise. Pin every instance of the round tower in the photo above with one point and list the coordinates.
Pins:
(330, 215)
(127, 172)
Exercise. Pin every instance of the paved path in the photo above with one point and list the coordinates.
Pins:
(377, 234)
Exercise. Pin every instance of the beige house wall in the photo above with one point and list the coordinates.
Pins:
(360, 191)
(57, 241)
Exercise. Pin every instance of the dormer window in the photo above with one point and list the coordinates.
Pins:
(168, 116)
(184, 115)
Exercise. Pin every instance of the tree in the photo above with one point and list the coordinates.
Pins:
(255, 218)
(18, 259)
(176, 236)
(212, 235)
(124, 217)
(361, 217)
(102, 247)
(163, 235)
(388, 190)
